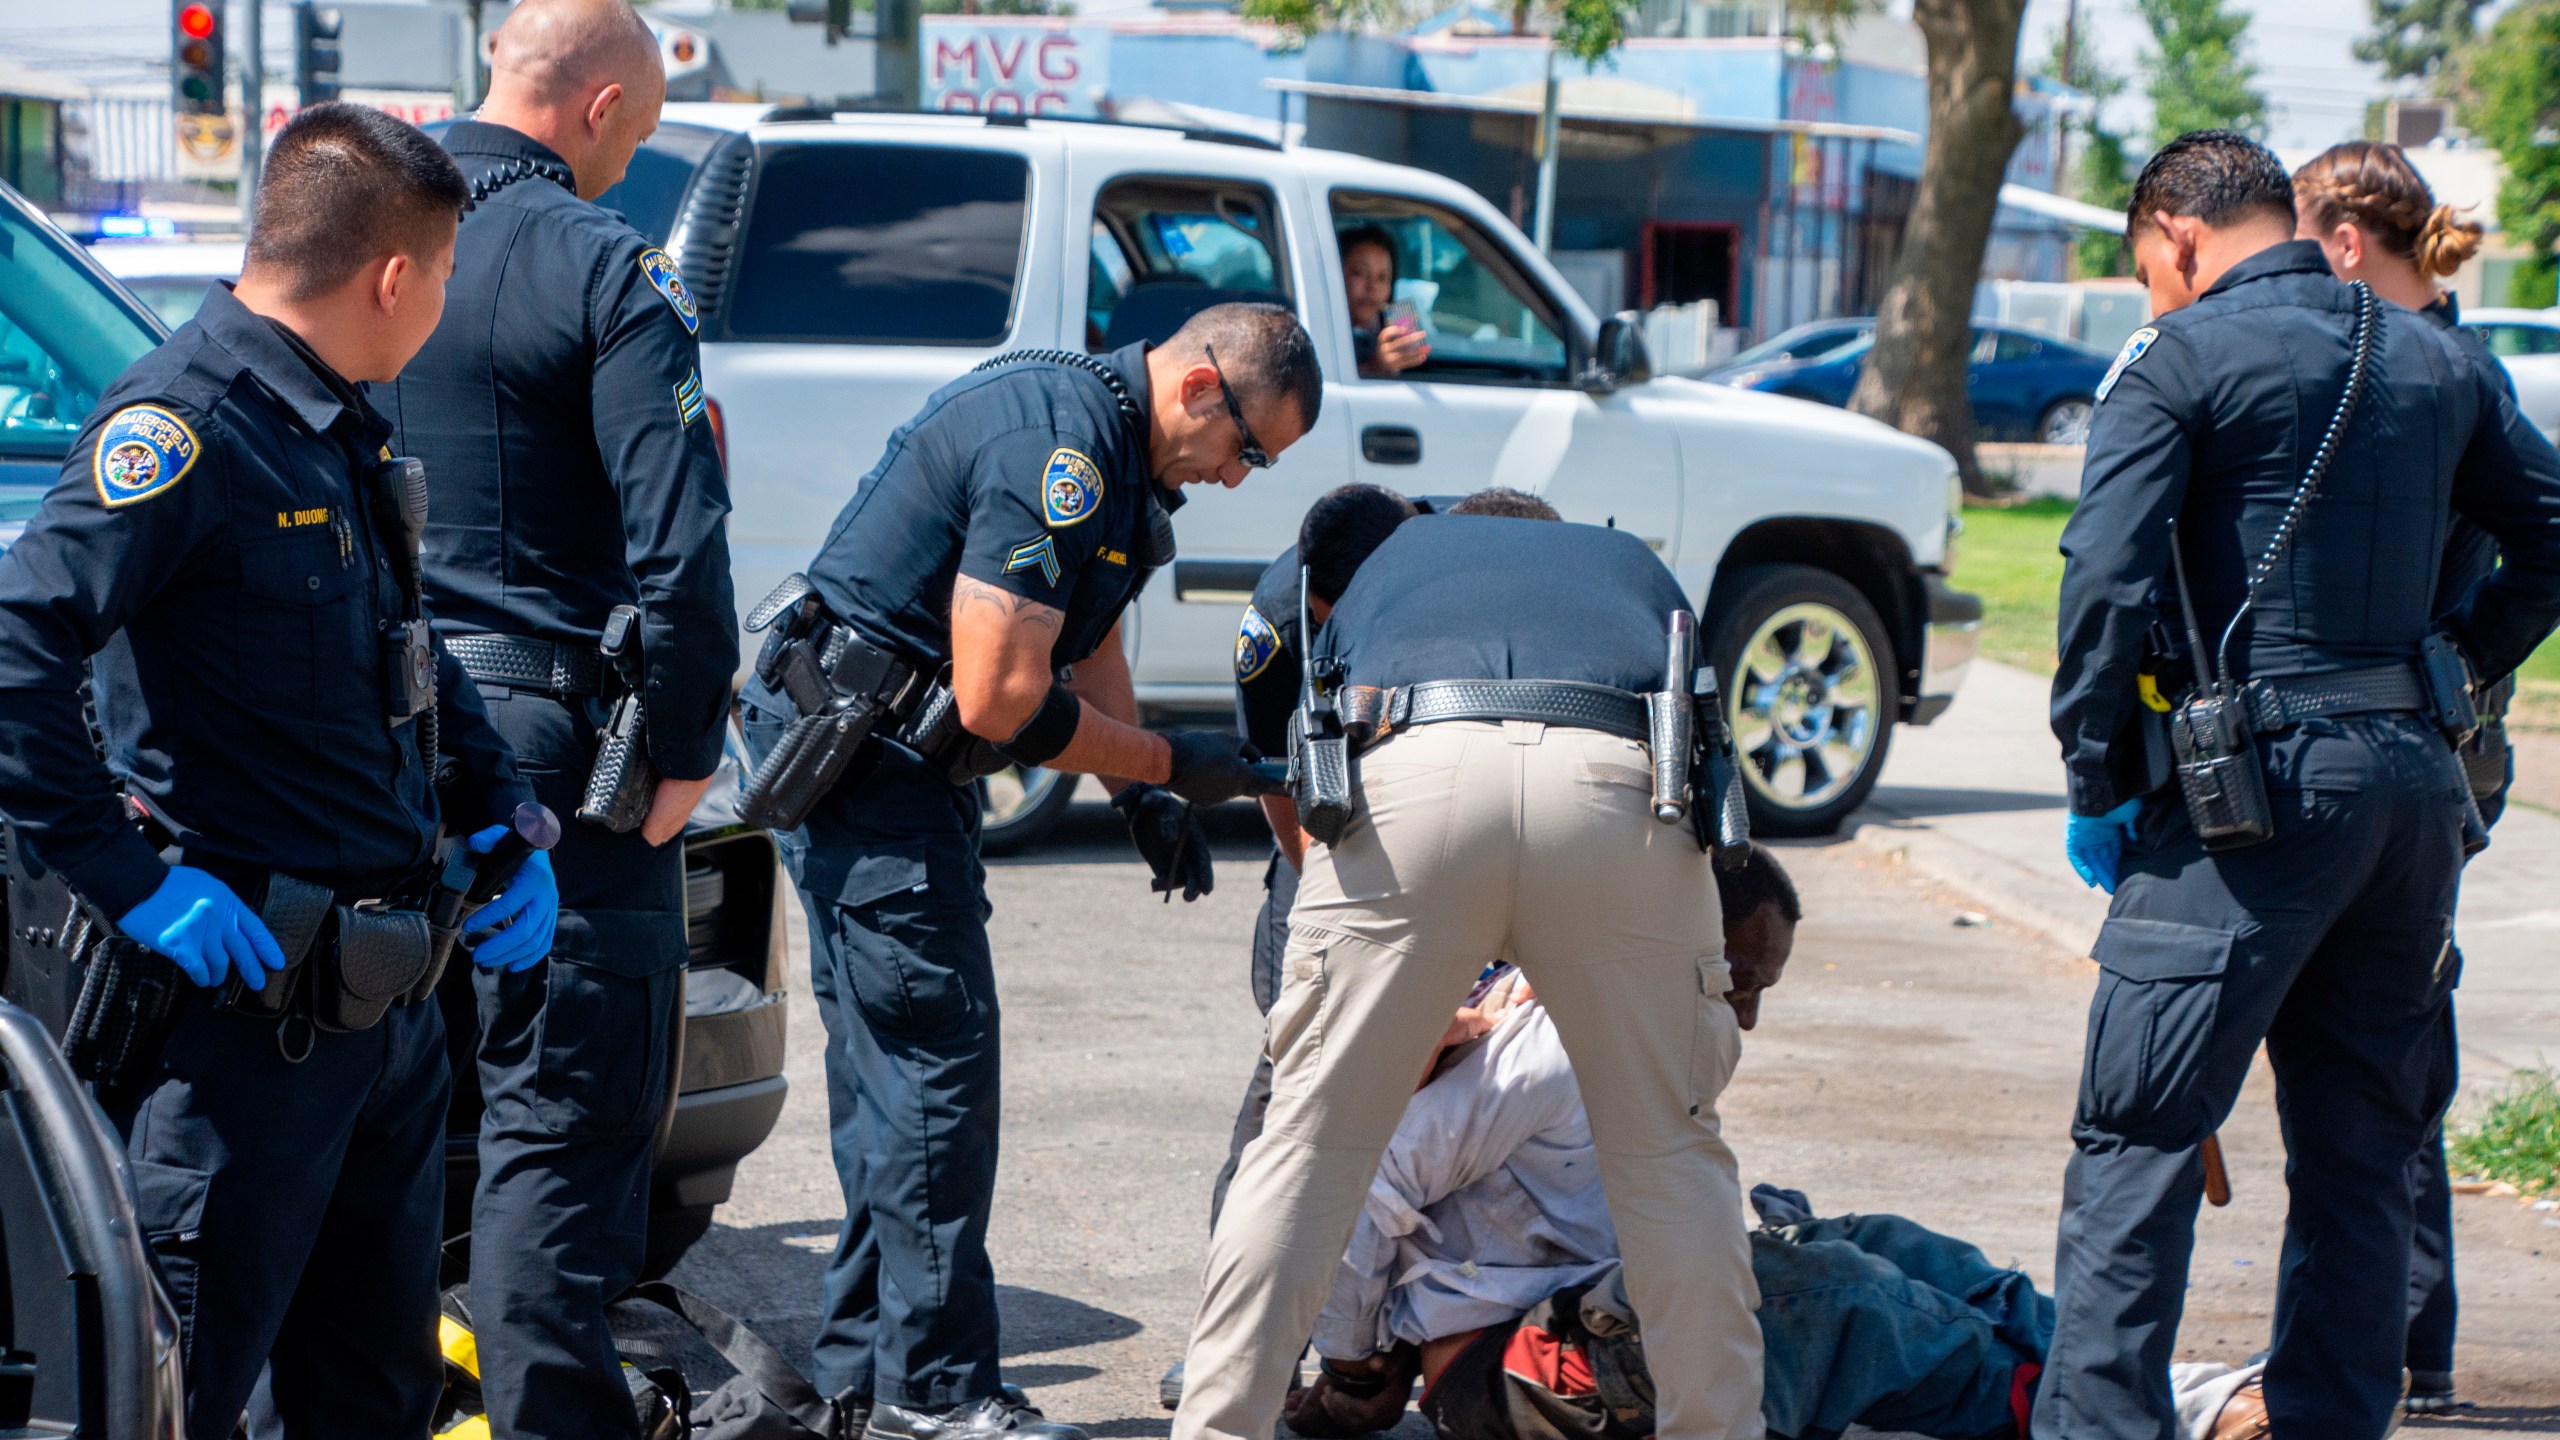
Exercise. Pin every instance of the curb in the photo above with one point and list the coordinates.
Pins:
(2022, 897)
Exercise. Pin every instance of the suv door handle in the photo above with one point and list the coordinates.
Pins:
(1391, 445)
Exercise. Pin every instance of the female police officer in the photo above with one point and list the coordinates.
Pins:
(2327, 938)
(212, 544)
(998, 541)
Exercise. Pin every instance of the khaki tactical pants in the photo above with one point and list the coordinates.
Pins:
(1477, 841)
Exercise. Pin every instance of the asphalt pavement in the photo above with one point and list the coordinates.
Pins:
(1919, 1059)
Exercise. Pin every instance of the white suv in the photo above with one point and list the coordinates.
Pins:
(847, 265)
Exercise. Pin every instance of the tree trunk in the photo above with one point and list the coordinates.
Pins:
(1915, 376)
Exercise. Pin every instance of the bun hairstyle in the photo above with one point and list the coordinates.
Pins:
(2376, 189)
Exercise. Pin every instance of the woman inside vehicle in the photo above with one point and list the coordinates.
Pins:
(1387, 338)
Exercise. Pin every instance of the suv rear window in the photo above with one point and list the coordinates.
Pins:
(881, 245)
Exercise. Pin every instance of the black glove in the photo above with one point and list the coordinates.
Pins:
(1169, 838)
(1214, 766)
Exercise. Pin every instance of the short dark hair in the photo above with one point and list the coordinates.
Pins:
(1507, 503)
(1759, 881)
(1342, 529)
(345, 185)
(2217, 176)
(1359, 235)
(1262, 350)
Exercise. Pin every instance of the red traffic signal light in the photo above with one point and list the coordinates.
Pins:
(196, 20)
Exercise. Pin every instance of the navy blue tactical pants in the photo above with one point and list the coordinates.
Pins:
(2331, 942)
(294, 1213)
(887, 867)
(574, 1064)
(2432, 1302)
(1270, 938)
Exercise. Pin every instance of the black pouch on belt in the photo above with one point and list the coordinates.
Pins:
(129, 1000)
(2218, 771)
(294, 912)
(622, 782)
(380, 956)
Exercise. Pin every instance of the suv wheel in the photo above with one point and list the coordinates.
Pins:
(1809, 684)
(1022, 805)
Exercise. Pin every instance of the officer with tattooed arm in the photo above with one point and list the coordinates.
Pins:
(578, 565)
(963, 615)
(229, 554)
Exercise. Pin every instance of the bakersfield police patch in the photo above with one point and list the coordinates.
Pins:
(1256, 643)
(143, 451)
(2134, 346)
(662, 273)
(1070, 489)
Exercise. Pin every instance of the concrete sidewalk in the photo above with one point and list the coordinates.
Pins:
(1976, 801)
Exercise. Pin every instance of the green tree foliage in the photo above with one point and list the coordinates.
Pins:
(2412, 39)
(1587, 30)
(2099, 170)
(2194, 72)
(2512, 100)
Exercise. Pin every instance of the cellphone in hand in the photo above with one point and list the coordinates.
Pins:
(1400, 313)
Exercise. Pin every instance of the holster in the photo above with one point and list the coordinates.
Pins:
(622, 782)
(2219, 774)
(129, 1000)
(842, 686)
(1719, 811)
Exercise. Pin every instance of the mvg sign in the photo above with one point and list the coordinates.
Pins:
(1015, 67)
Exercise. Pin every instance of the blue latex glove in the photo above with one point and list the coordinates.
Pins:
(2095, 843)
(528, 909)
(199, 924)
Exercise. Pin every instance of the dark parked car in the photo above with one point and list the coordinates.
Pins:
(66, 330)
(2025, 386)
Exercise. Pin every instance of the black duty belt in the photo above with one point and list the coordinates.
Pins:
(524, 664)
(1373, 712)
(2277, 701)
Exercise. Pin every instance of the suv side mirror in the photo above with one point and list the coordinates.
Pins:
(1618, 357)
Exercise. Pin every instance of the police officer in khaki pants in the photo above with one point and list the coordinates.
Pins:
(1497, 823)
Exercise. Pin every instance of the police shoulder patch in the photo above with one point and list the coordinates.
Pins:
(1040, 555)
(1070, 488)
(142, 451)
(662, 273)
(1256, 643)
(2135, 345)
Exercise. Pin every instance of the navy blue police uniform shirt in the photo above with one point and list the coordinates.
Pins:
(2210, 416)
(571, 465)
(1483, 597)
(1027, 477)
(2469, 554)
(210, 544)
(1269, 654)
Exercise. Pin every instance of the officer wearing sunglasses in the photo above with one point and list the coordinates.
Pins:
(994, 546)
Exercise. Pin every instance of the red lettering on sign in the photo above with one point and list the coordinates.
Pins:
(1058, 59)
(946, 55)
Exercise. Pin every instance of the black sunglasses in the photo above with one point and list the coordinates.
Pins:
(1248, 449)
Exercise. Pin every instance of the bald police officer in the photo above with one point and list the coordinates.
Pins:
(973, 589)
(2328, 939)
(220, 555)
(560, 410)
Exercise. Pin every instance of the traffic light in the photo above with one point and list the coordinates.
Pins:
(315, 52)
(196, 59)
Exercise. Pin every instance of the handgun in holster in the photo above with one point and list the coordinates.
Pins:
(840, 685)
(1696, 774)
(1319, 749)
(622, 782)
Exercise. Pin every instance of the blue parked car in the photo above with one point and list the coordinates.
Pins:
(2025, 386)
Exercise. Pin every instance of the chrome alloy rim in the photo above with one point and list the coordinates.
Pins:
(1017, 790)
(1804, 706)
(2068, 423)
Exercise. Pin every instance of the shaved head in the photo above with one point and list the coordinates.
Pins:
(563, 50)
(583, 77)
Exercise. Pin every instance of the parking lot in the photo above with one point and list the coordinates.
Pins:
(1909, 1063)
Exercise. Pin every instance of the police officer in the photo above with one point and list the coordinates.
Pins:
(2375, 221)
(2330, 939)
(217, 554)
(1499, 820)
(561, 415)
(995, 544)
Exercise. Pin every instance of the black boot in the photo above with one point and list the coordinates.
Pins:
(1005, 1414)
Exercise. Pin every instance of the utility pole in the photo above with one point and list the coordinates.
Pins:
(2070, 77)
(253, 104)
(470, 87)
(1545, 151)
